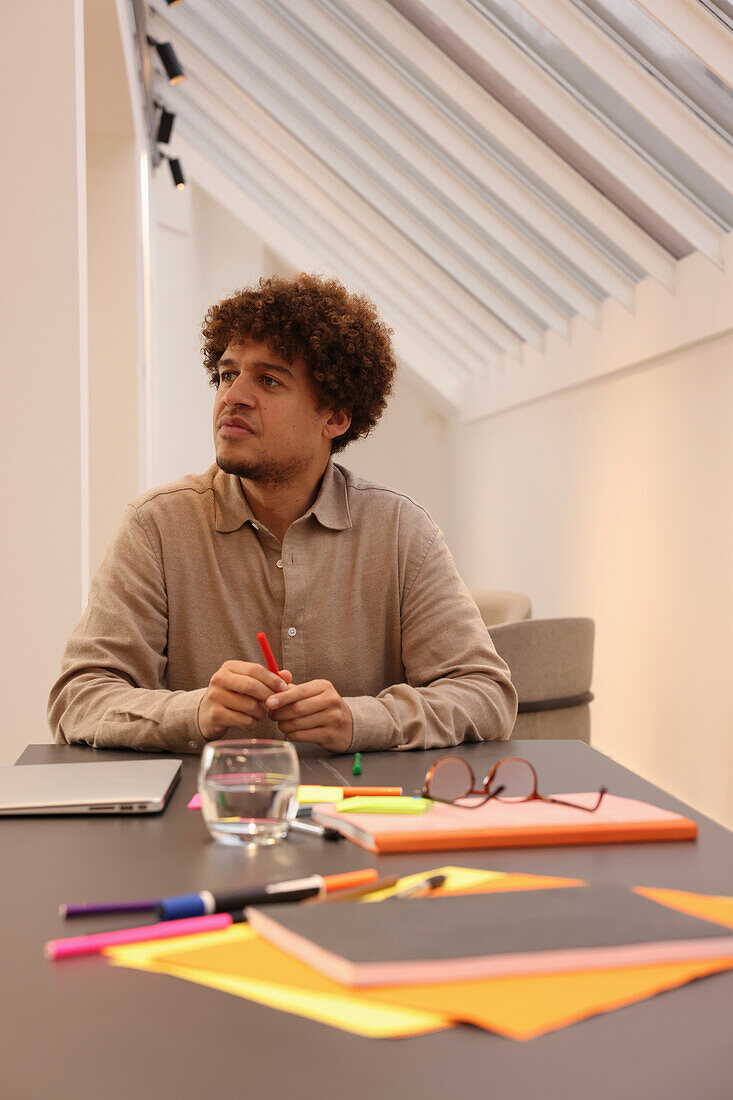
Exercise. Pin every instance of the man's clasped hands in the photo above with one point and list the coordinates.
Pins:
(241, 694)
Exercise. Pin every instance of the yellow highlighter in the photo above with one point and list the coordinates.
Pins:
(404, 804)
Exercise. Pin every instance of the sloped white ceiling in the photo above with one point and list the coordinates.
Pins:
(487, 170)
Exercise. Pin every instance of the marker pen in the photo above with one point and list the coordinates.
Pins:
(315, 830)
(330, 883)
(95, 909)
(205, 902)
(73, 946)
(267, 653)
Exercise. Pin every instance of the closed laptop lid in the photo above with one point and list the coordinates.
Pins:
(125, 786)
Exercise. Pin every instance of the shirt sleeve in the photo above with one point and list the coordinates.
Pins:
(458, 688)
(111, 690)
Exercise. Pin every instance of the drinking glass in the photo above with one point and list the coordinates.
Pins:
(249, 790)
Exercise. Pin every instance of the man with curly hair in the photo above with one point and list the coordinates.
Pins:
(378, 643)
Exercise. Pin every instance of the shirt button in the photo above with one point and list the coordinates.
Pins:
(192, 745)
(279, 563)
(292, 631)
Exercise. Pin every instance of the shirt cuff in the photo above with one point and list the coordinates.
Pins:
(182, 714)
(373, 725)
(170, 727)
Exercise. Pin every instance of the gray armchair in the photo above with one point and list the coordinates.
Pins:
(551, 662)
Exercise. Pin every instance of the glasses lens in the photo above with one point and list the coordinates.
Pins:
(452, 778)
(517, 778)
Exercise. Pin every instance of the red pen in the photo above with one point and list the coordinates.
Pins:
(267, 653)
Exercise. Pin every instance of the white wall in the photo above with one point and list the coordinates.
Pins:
(410, 450)
(43, 302)
(112, 178)
(114, 243)
(70, 300)
(177, 393)
(614, 499)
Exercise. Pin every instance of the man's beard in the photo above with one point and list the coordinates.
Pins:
(264, 471)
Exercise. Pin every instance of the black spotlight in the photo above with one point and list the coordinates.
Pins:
(165, 126)
(176, 172)
(170, 62)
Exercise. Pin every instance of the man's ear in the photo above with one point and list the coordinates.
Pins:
(338, 422)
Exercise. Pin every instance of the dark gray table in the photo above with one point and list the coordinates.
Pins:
(83, 1029)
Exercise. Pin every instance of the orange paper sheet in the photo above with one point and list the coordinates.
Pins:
(524, 1007)
(707, 906)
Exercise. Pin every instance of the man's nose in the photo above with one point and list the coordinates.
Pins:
(241, 392)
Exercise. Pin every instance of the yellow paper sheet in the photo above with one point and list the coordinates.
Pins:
(464, 880)
(239, 962)
(457, 879)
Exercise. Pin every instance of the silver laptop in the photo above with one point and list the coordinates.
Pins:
(120, 787)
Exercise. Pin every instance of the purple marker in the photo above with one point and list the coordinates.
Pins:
(145, 906)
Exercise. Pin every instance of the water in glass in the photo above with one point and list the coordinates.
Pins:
(249, 795)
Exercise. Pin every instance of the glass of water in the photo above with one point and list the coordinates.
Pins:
(249, 790)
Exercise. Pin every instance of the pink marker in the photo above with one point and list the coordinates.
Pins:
(97, 941)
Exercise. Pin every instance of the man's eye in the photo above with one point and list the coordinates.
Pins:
(267, 378)
(224, 375)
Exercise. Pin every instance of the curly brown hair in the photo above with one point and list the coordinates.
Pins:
(338, 335)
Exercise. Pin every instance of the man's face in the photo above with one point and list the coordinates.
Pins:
(268, 427)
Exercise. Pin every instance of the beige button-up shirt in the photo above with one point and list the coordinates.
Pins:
(362, 592)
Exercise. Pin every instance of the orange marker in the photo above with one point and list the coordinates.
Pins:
(372, 792)
(350, 878)
(267, 653)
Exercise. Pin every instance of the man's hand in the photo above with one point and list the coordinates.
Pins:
(236, 695)
(313, 712)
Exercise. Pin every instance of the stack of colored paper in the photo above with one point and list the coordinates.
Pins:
(520, 1006)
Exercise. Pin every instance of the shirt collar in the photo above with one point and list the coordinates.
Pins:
(330, 508)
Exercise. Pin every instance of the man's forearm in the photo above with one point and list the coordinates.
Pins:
(104, 711)
(443, 714)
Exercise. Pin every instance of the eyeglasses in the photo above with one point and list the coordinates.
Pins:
(514, 780)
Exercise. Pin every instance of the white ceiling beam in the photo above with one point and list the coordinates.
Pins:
(642, 91)
(353, 222)
(399, 144)
(283, 116)
(551, 99)
(280, 189)
(293, 99)
(500, 126)
(666, 328)
(462, 156)
(697, 30)
(283, 203)
(445, 388)
(352, 219)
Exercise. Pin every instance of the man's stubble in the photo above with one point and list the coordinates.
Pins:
(268, 472)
